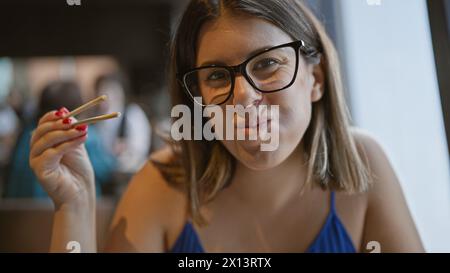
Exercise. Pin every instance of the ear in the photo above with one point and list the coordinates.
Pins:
(319, 82)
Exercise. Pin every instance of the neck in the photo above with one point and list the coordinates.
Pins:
(270, 189)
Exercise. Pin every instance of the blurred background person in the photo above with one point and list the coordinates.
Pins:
(21, 182)
(8, 118)
(128, 137)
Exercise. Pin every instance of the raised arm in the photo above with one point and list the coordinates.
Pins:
(60, 161)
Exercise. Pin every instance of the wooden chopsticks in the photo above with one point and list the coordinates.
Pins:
(88, 105)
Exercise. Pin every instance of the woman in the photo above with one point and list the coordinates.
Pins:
(326, 188)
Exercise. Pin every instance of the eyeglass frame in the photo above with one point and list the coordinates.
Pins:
(299, 45)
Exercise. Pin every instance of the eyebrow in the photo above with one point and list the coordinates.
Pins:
(249, 55)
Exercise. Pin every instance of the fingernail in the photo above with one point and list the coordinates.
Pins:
(67, 121)
(83, 127)
(63, 110)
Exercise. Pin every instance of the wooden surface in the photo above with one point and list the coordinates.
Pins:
(25, 224)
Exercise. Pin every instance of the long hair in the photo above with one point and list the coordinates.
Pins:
(203, 167)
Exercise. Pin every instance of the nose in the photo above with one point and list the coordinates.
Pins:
(244, 94)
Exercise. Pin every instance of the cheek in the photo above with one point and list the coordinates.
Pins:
(295, 108)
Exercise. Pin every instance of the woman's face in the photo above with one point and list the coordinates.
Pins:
(230, 40)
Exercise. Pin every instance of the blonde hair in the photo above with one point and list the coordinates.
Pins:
(203, 168)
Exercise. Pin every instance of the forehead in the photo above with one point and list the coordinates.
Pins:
(230, 39)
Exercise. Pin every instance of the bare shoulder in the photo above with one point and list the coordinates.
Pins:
(382, 176)
(379, 166)
(148, 208)
(375, 160)
(388, 220)
(368, 146)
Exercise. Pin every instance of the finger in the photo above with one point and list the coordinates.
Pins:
(54, 155)
(53, 115)
(54, 138)
(49, 126)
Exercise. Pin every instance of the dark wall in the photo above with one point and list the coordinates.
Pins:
(134, 31)
(439, 14)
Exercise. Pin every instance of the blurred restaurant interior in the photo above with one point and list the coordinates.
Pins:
(117, 48)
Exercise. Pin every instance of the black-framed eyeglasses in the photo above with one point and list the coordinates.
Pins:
(272, 70)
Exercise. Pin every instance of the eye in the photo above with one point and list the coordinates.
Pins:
(217, 76)
(265, 64)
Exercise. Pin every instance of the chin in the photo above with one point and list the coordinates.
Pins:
(253, 158)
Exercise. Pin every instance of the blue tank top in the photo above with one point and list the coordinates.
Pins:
(332, 238)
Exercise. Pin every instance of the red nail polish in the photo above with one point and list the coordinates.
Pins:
(67, 121)
(83, 127)
(63, 110)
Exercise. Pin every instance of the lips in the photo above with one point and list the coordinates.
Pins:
(242, 123)
(252, 120)
(255, 126)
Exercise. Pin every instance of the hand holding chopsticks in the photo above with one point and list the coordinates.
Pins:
(88, 105)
